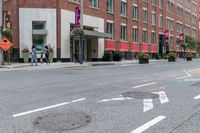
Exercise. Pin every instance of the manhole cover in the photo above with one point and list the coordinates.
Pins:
(62, 122)
(140, 95)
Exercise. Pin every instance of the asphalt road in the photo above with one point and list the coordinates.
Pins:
(98, 91)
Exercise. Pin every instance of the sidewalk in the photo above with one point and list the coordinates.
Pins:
(72, 65)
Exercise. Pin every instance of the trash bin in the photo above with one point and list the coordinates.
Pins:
(1, 57)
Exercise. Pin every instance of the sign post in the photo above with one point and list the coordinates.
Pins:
(5, 45)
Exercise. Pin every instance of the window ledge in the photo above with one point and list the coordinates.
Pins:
(74, 2)
(135, 19)
(123, 16)
(109, 12)
(96, 8)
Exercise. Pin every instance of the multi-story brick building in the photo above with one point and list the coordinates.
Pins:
(135, 25)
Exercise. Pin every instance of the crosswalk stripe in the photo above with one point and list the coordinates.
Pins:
(147, 105)
(162, 96)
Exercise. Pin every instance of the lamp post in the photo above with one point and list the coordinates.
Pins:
(81, 37)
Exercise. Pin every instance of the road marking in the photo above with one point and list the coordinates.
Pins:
(46, 108)
(147, 105)
(197, 97)
(192, 80)
(148, 124)
(139, 86)
(195, 71)
(115, 99)
(162, 96)
(188, 75)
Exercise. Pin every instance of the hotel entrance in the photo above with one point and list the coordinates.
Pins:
(74, 49)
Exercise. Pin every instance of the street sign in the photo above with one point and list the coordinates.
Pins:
(5, 44)
(77, 16)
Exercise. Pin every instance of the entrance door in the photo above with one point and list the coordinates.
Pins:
(75, 49)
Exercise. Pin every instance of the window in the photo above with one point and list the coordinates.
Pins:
(153, 16)
(187, 30)
(179, 11)
(187, 4)
(194, 7)
(123, 8)
(110, 29)
(153, 2)
(161, 21)
(135, 35)
(135, 12)
(145, 15)
(144, 36)
(153, 38)
(194, 19)
(161, 4)
(179, 28)
(39, 34)
(145, 1)
(110, 5)
(75, 1)
(123, 33)
(94, 3)
(170, 6)
(194, 32)
(187, 16)
(170, 24)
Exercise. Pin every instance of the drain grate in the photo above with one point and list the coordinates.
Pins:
(140, 95)
(62, 122)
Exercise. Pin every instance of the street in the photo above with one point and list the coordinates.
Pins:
(159, 97)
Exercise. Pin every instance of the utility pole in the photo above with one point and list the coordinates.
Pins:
(81, 37)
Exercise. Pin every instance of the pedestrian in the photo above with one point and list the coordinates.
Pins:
(46, 52)
(41, 57)
(33, 56)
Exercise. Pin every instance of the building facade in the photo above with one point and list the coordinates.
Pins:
(134, 25)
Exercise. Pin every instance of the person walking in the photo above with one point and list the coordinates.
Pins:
(46, 51)
(33, 56)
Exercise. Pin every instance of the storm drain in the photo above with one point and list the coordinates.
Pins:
(140, 95)
(62, 122)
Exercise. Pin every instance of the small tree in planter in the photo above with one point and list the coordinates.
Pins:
(188, 56)
(25, 54)
(171, 57)
(143, 58)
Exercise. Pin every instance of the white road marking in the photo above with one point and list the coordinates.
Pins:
(147, 105)
(162, 96)
(188, 75)
(46, 108)
(192, 80)
(148, 124)
(115, 99)
(197, 97)
(139, 86)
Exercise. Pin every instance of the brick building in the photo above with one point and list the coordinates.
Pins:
(135, 25)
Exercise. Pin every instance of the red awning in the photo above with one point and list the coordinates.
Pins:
(154, 49)
(110, 45)
(145, 48)
(135, 48)
(123, 47)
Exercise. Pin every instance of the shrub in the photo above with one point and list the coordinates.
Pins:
(117, 56)
(77, 32)
(144, 56)
(189, 55)
(171, 56)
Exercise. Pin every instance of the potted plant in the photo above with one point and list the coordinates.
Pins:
(171, 56)
(51, 53)
(144, 58)
(188, 56)
(107, 56)
(25, 54)
(117, 56)
(78, 32)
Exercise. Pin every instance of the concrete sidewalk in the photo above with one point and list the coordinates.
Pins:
(72, 65)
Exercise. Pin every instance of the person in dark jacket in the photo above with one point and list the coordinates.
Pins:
(33, 56)
(46, 52)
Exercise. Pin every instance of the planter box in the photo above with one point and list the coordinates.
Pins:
(51, 57)
(26, 57)
(171, 60)
(143, 61)
(189, 59)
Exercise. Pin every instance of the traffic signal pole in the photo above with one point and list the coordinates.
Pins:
(81, 37)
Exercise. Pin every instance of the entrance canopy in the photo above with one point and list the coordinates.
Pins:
(94, 34)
